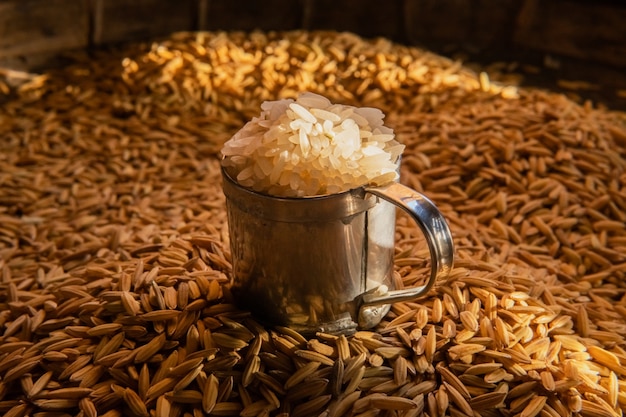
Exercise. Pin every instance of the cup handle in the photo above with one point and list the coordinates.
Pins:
(435, 229)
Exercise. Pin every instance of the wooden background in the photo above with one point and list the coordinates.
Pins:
(589, 31)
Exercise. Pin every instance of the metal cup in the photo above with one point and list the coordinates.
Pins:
(325, 263)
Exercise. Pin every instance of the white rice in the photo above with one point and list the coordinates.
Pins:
(309, 146)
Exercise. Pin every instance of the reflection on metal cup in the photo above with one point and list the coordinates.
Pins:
(325, 263)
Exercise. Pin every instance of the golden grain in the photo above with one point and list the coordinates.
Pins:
(186, 380)
(487, 401)
(312, 388)
(109, 347)
(270, 396)
(160, 388)
(271, 383)
(313, 356)
(302, 373)
(226, 341)
(392, 352)
(453, 381)
(607, 358)
(93, 282)
(147, 351)
(56, 404)
(384, 402)
(311, 407)
(227, 408)
(591, 409)
(260, 407)
(402, 318)
(340, 407)
(355, 380)
(353, 365)
(209, 396)
(22, 368)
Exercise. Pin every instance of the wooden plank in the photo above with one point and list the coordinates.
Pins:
(250, 15)
(35, 27)
(437, 22)
(368, 18)
(123, 20)
(593, 31)
(471, 25)
(492, 24)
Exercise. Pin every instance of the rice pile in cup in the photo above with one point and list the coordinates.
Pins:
(310, 146)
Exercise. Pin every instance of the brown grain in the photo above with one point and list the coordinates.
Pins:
(114, 252)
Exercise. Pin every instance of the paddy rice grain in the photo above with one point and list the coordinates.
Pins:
(115, 260)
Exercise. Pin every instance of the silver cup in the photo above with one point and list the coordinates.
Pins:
(325, 263)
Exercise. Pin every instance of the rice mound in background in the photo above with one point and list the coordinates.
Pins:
(309, 146)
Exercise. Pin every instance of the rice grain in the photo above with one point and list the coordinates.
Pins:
(115, 261)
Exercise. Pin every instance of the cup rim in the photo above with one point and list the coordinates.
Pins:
(356, 191)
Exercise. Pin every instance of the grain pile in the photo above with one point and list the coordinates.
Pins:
(310, 146)
(114, 251)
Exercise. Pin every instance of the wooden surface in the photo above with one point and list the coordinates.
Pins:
(29, 28)
(474, 26)
(365, 17)
(594, 31)
(250, 15)
(121, 20)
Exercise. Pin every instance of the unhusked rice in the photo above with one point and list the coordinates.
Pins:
(114, 261)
